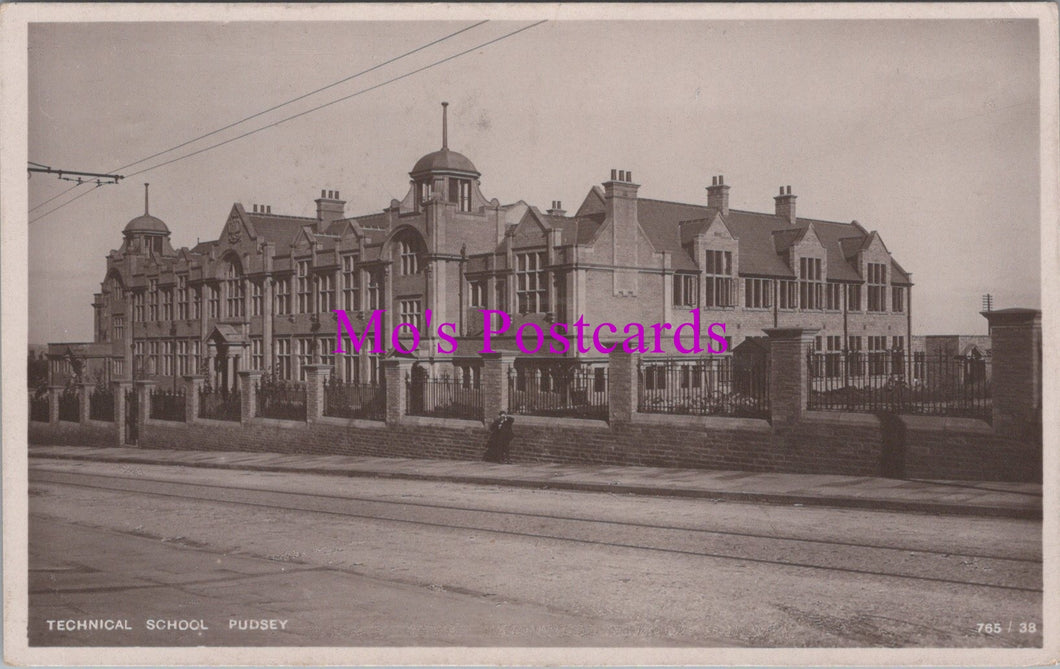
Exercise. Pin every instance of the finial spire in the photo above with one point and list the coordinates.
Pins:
(445, 125)
(145, 198)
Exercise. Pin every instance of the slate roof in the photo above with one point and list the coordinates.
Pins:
(763, 238)
(899, 275)
(280, 230)
(576, 229)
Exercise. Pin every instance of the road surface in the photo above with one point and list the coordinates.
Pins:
(355, 561)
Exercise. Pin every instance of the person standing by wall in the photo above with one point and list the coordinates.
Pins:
(498, 446)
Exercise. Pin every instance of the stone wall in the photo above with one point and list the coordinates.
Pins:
(793, 439)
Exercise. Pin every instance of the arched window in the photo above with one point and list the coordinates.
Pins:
(235, 292)
(408, 254)
(409, 258)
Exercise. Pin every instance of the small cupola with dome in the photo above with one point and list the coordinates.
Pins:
(146, 234)
(444, 174)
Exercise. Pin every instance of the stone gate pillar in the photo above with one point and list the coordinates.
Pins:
(84, 400)
(192, 390)
(248, 394)
(53, 404)
(396, 370)
(1016, 371)
(315, 378)
(120, 388)
(789, 373)
(622, 386)
(495, 369)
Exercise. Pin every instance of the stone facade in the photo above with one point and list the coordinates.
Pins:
(262, 294)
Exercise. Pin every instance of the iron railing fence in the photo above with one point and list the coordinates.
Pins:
(39, 408)
(285, 400)
(168, 405)
(355, 400)
(444, 397)
(900, 382)
(558, 389)
(219, 405)
(101, 404)
(70, 405)
(714, 386)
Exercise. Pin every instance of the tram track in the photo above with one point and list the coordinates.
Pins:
(1015, 573)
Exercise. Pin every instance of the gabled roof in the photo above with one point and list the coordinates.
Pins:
(660, 221)
(690, 229)
(784, 239)
(203, 248)
(761, 251)
(226, 333)
(279, 230)
(899, 275)
(576, 229)
(593, 202)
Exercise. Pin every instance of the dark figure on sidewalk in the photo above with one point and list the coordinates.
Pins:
(500, 439)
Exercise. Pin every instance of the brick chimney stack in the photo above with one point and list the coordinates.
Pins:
(557, 209)
(329, 208)
(785, 206)
(718, 195)
(620, 206)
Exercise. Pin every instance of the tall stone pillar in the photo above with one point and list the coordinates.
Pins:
(622, 386)
(789, 373)
(231, 380)
(211, 365)
(192, 390)
(395, 371)
(84, 398)
(495, 370)
(54, 392)
(248, 395)
(143, 396)
(1016, 371)
(315, 378)
(120, 389)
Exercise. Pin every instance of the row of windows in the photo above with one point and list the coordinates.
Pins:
(809, 294)
(317, 296)
(293, 355)
(168, 358)
(183, 357)
(876, 343)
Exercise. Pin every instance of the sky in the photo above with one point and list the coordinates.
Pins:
(924, 130)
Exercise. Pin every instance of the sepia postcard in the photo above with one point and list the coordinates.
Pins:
(530, 334)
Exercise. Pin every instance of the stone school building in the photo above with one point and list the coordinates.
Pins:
(260, 296)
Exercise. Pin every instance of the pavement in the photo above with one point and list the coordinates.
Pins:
(971, 498)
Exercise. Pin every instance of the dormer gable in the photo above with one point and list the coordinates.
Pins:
(238, 227)
(717, 228)
(593, 202)
(530, 230)
(304, 239)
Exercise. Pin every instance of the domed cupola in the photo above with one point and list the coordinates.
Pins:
(445, 175)
(146, 233)
(444, 161)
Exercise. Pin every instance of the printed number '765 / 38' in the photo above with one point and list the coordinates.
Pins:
(995, 628)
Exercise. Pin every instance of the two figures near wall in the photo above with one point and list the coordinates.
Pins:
(498, 447)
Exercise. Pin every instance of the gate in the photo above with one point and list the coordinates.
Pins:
(132, 418)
